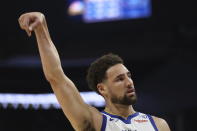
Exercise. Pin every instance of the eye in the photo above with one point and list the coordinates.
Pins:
(129, 75)
(120, 78)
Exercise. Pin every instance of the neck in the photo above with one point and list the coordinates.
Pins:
(120, 110)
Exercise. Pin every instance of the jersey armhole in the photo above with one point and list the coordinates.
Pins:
(152, 122)
(104, 122)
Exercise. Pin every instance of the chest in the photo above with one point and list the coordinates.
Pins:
(139, 123)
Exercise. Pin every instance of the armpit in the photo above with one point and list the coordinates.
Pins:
(88, 126)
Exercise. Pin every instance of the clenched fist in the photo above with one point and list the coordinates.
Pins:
(31, 21)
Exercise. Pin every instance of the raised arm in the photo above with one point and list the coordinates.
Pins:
(79, 114)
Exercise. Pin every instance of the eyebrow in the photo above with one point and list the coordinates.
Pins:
(120, 75)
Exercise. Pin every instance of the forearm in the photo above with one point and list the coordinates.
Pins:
(48, 53)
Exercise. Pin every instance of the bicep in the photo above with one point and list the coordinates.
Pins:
(72, 104)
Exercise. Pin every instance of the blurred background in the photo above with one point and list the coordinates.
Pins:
(155, 38)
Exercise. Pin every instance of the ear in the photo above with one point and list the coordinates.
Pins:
(101, 88)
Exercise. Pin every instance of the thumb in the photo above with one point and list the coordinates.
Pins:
(28, 32)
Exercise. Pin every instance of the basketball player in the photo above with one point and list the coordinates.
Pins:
(107, 75)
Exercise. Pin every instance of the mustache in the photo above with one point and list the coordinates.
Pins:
(130, 90)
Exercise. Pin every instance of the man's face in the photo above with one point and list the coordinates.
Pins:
(120, 87)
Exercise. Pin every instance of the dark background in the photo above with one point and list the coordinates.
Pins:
(158, 50)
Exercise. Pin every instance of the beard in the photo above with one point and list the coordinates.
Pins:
(125, 100)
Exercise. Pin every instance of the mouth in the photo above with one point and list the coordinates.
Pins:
(131, 91)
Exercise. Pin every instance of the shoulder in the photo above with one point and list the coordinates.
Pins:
(161, 124)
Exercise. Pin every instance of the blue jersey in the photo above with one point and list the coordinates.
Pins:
(135, 122)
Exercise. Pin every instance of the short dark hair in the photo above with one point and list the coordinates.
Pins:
(97, 70)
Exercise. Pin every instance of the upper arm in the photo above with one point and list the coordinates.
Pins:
(80, 115)
(161, 124)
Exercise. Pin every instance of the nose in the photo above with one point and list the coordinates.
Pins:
(129, 82)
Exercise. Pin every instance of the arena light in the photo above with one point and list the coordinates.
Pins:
(109, 10)
(44, 101)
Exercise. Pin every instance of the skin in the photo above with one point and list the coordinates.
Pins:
(115, 89)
